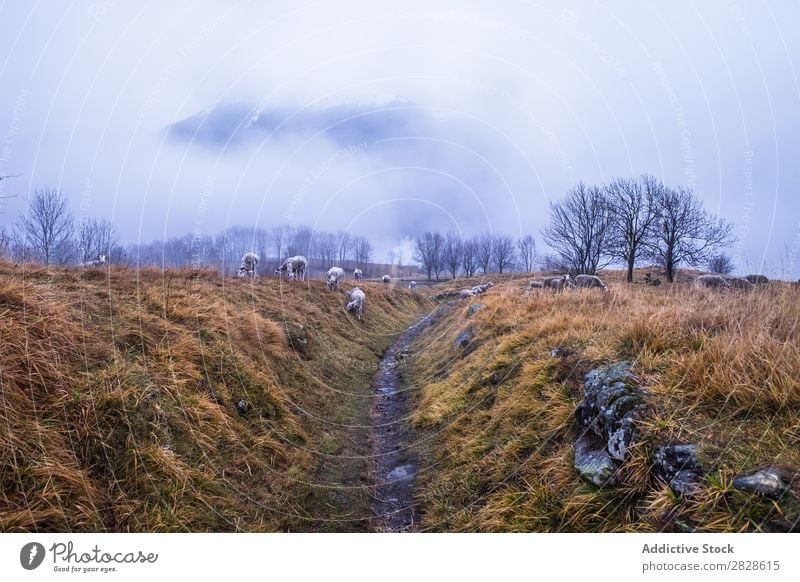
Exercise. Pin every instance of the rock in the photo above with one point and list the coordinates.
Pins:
(242, 407)
(475, 308)
(593, 462)
(464, 339)
(770, 482)
(298, 336)
(560, 352)
(612, 402)
(678, 466)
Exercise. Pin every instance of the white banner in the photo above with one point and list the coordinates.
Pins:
(398, 557)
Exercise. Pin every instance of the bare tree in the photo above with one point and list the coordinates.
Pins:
(279, 237)
(554, 264)
(344, 246)
(452, 252)
(686, 233)
(526, 249)
(96, 236)
(579, 228)
(633, 204)
(503, 252)
(47, 227)
(484, 244)
(300, 242)
(428, 252)
(469, 257)
(362, 250)
(721, 264)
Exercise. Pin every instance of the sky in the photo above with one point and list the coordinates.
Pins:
(386, 119)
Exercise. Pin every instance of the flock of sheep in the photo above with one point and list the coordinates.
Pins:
(295, 269)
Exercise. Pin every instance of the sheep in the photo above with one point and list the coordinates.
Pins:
(357, 274)
(99, 260)
(386, 279)
(248, 266)
(412, 285)
(467, 293)
(711, 281)
(536, 284)
(558, 283)
(483, 288)
(357, 298)
(757, 279)
(294, 266)
(739, 283)
(335, 274)
(590, 281)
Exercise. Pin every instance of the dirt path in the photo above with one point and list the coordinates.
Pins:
(394, 460)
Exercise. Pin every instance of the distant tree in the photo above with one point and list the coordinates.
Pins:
(300, 243)
(362, 250)
(686, 233)
(46, 228)
(6, 244)
(485, 246)
(579, 228)
(721, 264)
(503, 252)
(279, 237)
(452, 252)
(554, 264)
(344, 246)
(428, 252)
(526, 249)
(469, 257)
(96, 236)
(633, 206)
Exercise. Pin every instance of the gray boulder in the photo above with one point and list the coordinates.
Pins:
(592, 461)
(464, 339)
(678, 466)
(769, 482)
(475, 308)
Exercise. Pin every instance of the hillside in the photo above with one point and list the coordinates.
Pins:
(496, 411)
(180, 401)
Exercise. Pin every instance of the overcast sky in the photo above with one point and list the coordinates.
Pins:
(387, 118)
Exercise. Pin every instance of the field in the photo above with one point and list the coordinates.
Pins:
(118, 409)
(496, 422)
(182, 401)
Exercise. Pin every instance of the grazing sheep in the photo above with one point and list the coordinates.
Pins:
(757, 279)
(739, 283)
(357, 274)
(248, 266)
(357, 298)
(558, 283)
(483, 288)
(412, 285)
(294, 267)
(590, 281)
(536, 284)
(711, 281)
(335, 274)
(99, 260)
(467, 293)
(386, 279)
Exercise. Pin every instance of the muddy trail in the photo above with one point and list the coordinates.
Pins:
(395, 462)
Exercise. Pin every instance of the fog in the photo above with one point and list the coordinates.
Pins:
(387, 120)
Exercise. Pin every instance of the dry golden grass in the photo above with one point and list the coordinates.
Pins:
(722, 370)
(118, 394)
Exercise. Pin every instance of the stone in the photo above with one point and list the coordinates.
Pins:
(678, 466)
(475, 308)
(593, 463)
(769, 482)
(464, 339)
(242, 407)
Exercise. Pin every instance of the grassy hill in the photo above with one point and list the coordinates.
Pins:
(496, 421)
(119, 393)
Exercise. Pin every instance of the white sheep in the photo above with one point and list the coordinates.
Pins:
(99, 260)
(386, 279)
(248, 266)
(590, 281)
(712, 282)
(412, 285)
(357, 298)
(335, 275)
(483, 288)
(739, 283)
(467, 293)
(357, 274)
(294, 267)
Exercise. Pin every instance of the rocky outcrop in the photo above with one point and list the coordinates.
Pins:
(592, 461)
(769, 482)
(678, 466)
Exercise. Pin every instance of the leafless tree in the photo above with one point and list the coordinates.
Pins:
(503, 252)
(279, 237)
(633, 204)
(469, 257)
(428, 252)
(452, 252)
(300, 242)
(579, 228)
(526, 249)
(721, 264)
(96, 236)
(686, 233)
(362, 251)
(554, 264)
(46, 229)
(344, 246)
(484, 244)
